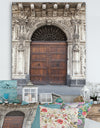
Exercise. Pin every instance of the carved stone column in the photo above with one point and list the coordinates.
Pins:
(27, 59)
(20, 58)
(76, 68)
(76, 59)
(69, 62)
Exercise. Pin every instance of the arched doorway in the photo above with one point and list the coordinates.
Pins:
(14, 119)
(48, 56)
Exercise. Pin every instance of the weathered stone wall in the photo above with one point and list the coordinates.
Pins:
(69, 17)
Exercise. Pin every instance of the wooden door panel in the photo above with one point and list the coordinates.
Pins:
(57, 80)
(13, 122)
(39, 72)
(39, 80)
(57, 48)
(39, 49)
(38, 57)
(55, 64)
(39, 64)
(58, 72)
(57, 57)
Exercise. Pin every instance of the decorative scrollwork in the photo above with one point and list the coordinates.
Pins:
(48, 33)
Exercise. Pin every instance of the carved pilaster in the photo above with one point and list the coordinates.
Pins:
(76, 59)
(83, 31)
(83, 60)
(76, 48)
(20, 57)
(15, 60)
(26, 60)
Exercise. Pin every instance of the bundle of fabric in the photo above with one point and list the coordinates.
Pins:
(68, 115)
(36, 122)
(52, 116)
(83, 109)
(58, 118)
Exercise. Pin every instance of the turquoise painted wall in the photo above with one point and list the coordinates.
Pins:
(8, 87)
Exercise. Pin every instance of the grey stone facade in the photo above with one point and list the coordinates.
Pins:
(69, 17)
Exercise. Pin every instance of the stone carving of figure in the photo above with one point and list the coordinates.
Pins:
(75, 24)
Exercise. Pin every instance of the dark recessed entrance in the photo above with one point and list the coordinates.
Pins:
(48, 58)
(14, 120)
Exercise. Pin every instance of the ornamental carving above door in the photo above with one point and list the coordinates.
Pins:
(48, 33)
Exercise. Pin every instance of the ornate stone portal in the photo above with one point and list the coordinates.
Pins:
(69, 17)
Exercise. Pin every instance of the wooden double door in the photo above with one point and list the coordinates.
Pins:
(48, 63)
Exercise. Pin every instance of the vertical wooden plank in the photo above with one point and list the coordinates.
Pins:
(58, 63)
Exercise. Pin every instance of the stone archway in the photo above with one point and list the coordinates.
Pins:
(48, 56)
(68, 30)
(14, 119)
